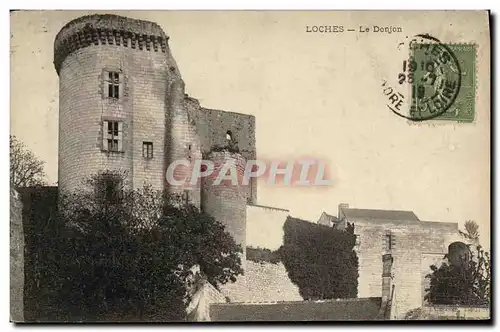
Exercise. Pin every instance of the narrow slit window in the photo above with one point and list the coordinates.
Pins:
(189, 152)
(229, 136)
(147, 150)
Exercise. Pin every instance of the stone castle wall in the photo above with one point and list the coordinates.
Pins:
(262, 282)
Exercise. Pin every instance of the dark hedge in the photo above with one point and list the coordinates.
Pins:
(320, 260)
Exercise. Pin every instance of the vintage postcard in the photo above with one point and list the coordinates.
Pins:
(241, 166)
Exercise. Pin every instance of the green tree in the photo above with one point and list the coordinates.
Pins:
(26, 169)
(466, 282)
(132, 254)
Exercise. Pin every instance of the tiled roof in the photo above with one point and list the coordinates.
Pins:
(379, 214)
(328, 310)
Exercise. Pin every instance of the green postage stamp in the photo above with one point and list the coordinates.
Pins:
(442, 78)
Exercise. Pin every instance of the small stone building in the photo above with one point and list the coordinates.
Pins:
(414, 244)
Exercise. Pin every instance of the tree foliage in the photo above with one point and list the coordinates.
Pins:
(133, 255)
(26, 169)
(471, 230)
(320, 260)
(263, 255)
(466, 282)
(41, 236)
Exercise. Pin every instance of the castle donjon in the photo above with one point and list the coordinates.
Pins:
(123, 107)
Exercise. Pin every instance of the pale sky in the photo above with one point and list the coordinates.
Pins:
(313, 94)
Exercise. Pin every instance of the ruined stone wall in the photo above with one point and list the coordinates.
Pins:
(212, 127)
(16, 258)
(414, 244)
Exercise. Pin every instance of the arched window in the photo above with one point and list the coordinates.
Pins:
(229, 136)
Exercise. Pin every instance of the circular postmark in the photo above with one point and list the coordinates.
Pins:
(434, 77)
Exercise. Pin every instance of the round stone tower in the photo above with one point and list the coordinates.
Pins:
(226, 202)
(114, 79)
(122, 107)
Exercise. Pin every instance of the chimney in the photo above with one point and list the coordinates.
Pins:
(342, 206)
(385, 305)
(386, 276)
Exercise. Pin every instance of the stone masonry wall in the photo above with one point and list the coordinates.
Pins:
(16, 258)
(450, 312)
(226, 202)
(84, 105)
(186, 145)
(212, 126)
(262, 282)
(411, 242)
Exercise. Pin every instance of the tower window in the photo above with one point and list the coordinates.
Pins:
(113, 82)
(189, 152)
(147, 150)
(112, 138)
(229, 136)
